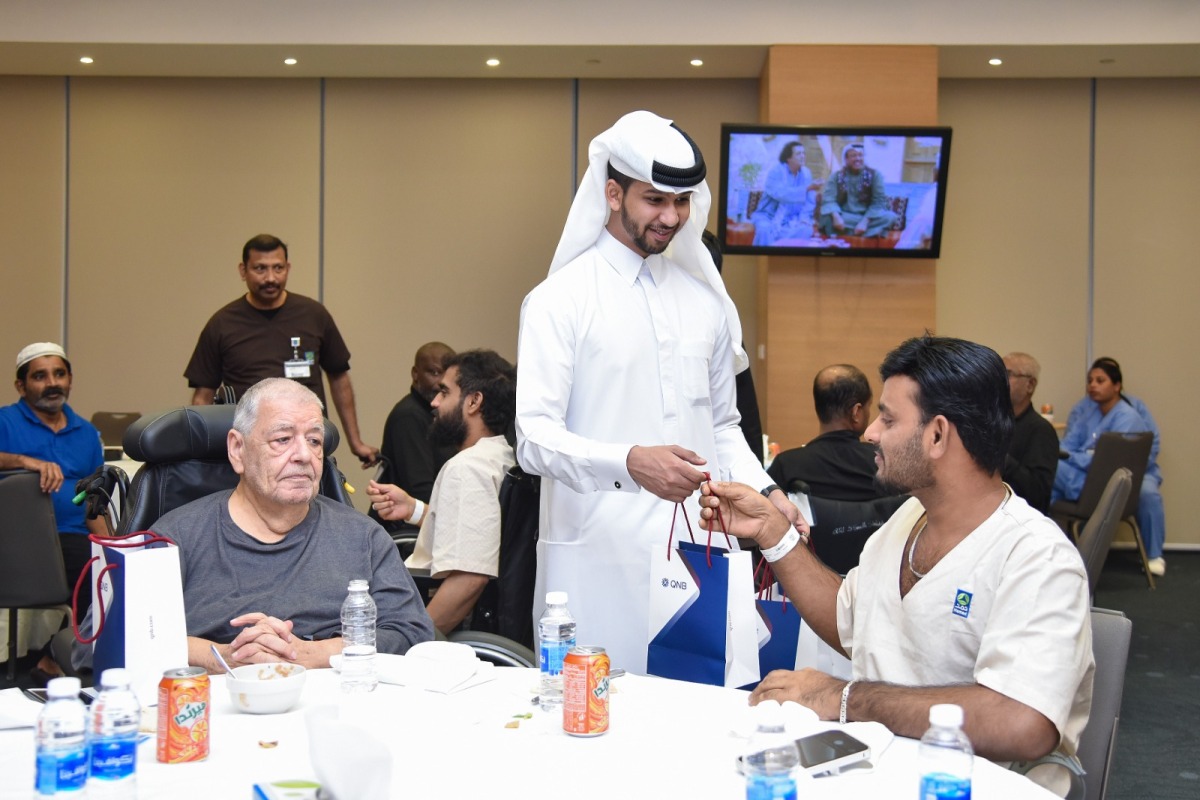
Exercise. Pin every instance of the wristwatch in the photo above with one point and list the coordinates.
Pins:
(767, 491)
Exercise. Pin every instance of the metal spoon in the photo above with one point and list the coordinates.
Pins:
(221, 660)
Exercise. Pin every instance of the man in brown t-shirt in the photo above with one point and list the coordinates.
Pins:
(270, 332)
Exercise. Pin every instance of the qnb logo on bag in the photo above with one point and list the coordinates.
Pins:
(671, 583)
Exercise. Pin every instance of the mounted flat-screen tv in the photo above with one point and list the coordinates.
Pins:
(832, 191)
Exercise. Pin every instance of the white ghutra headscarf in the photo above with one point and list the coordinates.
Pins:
(651, 149)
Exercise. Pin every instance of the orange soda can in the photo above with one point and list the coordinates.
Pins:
(585, 691)
(183, 703)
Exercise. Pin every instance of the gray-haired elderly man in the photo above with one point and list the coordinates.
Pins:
(625, 378)
(266, 565)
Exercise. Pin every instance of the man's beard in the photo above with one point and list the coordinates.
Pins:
(449, 429)
(51, 400)
(908, 469)
(644, 243)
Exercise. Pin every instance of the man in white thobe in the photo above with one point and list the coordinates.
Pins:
(625, 389)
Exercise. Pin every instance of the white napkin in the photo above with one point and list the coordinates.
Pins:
(443, 667)
(17, 710)
(349, 762)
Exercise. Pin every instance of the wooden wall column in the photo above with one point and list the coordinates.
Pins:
(819, 311)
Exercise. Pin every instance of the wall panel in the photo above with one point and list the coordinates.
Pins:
(1147, 268)
(32, 166)
(169, 177)
(822, 311)
(1014, 267)
(444, 202)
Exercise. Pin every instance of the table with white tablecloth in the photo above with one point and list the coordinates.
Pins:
(667, 739)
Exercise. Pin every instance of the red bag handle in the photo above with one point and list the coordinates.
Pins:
(671, 537)
(708, 545)
(120, 542)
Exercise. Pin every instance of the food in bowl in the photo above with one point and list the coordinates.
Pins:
(271, 688)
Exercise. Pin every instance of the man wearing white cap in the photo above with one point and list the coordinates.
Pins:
(41, 433)
(625, 388)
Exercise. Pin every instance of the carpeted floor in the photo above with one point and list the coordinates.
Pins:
(1158, 741)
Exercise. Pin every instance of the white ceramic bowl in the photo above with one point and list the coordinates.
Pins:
(265, 688)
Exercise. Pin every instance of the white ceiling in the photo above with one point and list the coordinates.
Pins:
(574, 39)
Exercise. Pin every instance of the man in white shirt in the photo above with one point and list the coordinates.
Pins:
(459, 541)
(967, 595)
(626, 392)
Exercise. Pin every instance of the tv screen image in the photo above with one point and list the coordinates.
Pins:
(833, 191)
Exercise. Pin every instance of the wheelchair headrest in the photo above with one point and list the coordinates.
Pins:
(191, 433)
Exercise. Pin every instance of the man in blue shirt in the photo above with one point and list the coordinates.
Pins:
(41, 433)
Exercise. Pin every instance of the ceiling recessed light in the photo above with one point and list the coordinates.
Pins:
(291, 62)
(995, 62)
(695, 62)
(493, 62)
(85, 60)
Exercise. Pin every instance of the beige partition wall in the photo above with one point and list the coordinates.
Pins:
(1014, 268)
(1147, 271)
(443, 204)
(819, 311)
(169, 178)
(32, 235)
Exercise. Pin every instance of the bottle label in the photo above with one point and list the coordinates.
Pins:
(940, 786)
(552, 655)
(61, 770)
(114, 759)
(771, 787)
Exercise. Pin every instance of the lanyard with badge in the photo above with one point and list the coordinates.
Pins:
(297, 367)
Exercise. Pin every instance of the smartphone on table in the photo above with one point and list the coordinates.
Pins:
(827, 751)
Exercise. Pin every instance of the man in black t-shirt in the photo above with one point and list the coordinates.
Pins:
(269, 333)
(836, 465)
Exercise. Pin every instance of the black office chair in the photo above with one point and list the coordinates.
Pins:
(840, 528)
(1096, 537)
(184, 457)
(32, 574)
(1113, 451)
(505, 608)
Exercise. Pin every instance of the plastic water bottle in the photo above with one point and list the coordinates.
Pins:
(358, 640)
(773, 760)
(945, 756)
(112, 739)
(556, 634)
(62, 756)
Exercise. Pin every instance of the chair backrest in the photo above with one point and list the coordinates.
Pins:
(112, 425)
(840, 528)
(1097, 535)
(506, 605)
(31, 562)
(184, 457)
(1114, 450)
(1111, 631)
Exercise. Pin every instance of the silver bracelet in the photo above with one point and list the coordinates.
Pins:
(785, 546)
(845, 700)
(418, 513)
